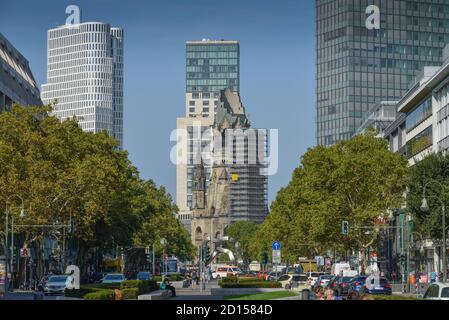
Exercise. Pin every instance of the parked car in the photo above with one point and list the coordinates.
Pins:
(294, 281)
(332, 283)
(272, 276)
(223, 271)
(313, 277)
(343, 285)
(144, 275)
(42, 282)
(322, 281)
(381, 287)
(357, 284)
(113, 278)
(55, 285)
(437, 291)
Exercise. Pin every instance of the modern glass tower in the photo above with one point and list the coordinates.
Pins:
(85, 76)
(211, 66)
(371, 51)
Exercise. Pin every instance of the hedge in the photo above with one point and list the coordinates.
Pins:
(142, 286)
(260, 284)
(173, 277)
(106, 294)
(90, 288)
(130, 293)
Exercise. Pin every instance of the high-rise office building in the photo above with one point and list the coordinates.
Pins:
(211, 66)
(371, 51)
(85, 76)
(17, 83)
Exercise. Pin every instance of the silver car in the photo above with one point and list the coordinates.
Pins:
(56, 285)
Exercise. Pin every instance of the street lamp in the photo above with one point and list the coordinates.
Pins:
(425, 208)
(164, 244)
(7, 262)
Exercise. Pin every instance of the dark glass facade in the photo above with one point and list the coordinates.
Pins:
(358, 67)
(213, 66)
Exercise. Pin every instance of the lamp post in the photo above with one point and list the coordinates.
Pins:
(164, 244)
(7, 259)
(425, 208)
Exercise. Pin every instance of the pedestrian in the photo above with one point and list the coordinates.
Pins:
(329, 295)
(319, 293)
(168, 286)
(194, 280)
(433, 276)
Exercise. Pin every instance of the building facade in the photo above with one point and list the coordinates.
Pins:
(85, 76)
(368, 52)
(17, 84)
(211, 66)
(238, 182)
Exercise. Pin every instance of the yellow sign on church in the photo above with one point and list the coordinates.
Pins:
(234, 177)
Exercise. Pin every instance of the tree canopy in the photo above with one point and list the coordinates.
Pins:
(63, 174)
(355, 181)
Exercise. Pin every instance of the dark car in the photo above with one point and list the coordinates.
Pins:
(381, 287)
(42, 283)
(343, 285)
(333, 283)
(357, 284)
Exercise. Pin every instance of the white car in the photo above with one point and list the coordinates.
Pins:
(55, 285)
(113, 278)
(294, 281)
(437, 291)
(313, 277)
(223, 271)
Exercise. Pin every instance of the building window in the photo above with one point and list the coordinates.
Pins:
(191, 103)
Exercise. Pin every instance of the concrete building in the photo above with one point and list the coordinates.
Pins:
(17, 84)
(379, 117)
(368, 52)
(421, 128)
(85, 76)
(211, 66)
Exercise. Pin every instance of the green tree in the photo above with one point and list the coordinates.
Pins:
(434, 167)
(355, 181)
(243, 232)
(156, 212)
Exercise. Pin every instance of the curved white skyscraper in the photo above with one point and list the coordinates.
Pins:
(85, 76)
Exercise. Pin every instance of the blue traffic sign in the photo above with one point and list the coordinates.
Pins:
(276, 245)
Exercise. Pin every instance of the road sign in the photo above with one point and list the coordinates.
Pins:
(276, 245)
(25, 252)
(276, 256)
(319, 261)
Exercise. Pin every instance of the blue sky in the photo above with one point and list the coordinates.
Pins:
(277, 66)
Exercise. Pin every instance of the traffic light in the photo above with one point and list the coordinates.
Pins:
(345, 228)
(264, 258)
(148, 254)
(207, 253)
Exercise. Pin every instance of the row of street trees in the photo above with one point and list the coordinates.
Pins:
(64, 174)
(355, 181)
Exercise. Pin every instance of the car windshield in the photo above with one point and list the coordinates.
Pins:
(114, 277)
(314, 275)
(346, 279)
(58, 279)
(326, 277)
